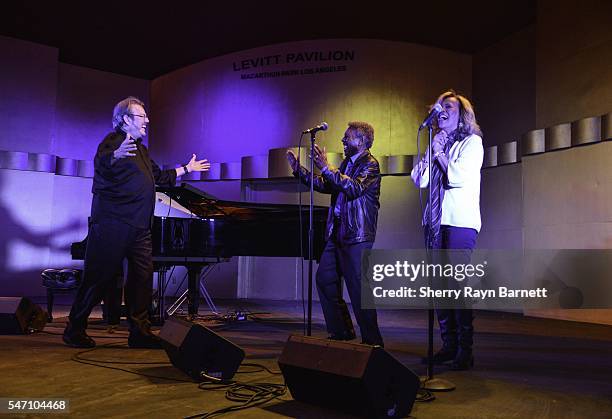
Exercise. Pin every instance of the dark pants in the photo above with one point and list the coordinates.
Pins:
(112, 299)
(345, 261)
(108, 243)
(456, 327)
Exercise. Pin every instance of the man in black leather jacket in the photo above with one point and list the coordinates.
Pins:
(351, 229)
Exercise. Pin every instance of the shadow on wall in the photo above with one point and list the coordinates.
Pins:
(28, 239)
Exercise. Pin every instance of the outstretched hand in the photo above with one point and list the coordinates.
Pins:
(125, 148)
(198, 165)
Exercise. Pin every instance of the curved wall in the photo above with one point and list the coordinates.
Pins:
(246, 103)
(574, 52)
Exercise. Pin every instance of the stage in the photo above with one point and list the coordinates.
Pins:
(524, 367)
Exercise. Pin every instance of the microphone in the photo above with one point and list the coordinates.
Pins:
(321, 127)
(437, 108)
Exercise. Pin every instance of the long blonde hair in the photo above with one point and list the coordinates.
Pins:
(467, 118)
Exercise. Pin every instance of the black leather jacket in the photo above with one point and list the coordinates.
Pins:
(359, 192)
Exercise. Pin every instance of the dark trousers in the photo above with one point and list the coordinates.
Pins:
(108, 243)
(456, 327)
(345, 261)
(112, 299)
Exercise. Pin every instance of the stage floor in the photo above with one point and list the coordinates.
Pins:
(524, 367)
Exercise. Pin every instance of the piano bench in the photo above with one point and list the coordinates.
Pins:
(59, 281)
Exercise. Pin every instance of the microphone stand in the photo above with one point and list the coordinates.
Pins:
(310, 234)
(429, 382)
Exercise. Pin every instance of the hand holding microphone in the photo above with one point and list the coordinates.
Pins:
(438, 144)
(439, 141)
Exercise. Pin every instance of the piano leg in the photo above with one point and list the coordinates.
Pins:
(158, 316)
(193, 296)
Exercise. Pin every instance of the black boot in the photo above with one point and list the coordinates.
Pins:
(140, 331)
(465, 358)
(345, 335)
(444, 355)
(77, 338)
(448, 333)
(463, 361)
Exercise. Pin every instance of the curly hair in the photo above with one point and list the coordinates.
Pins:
(467, 118)
(123, 108)
(363, 130)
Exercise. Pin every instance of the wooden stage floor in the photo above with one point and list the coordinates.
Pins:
(524, 368)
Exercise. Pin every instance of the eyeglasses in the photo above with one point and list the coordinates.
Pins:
(135, 114)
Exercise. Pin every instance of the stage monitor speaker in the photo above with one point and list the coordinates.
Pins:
(357, 379)
(198, 351)
(19, 315)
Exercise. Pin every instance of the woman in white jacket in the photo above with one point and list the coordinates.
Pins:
(457, 155)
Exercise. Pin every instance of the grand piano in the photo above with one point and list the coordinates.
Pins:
(214, 230)
(218, 228)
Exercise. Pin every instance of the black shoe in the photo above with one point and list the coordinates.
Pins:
(144, 341)
(342, 336)
(443, 356)
(463, 361)
(78, 340)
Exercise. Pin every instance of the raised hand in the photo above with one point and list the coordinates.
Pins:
(320, 157)
(292, 161)
(125, 148)
(198, 165)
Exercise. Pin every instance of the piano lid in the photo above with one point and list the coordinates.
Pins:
(204, 205)
(162, 198)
